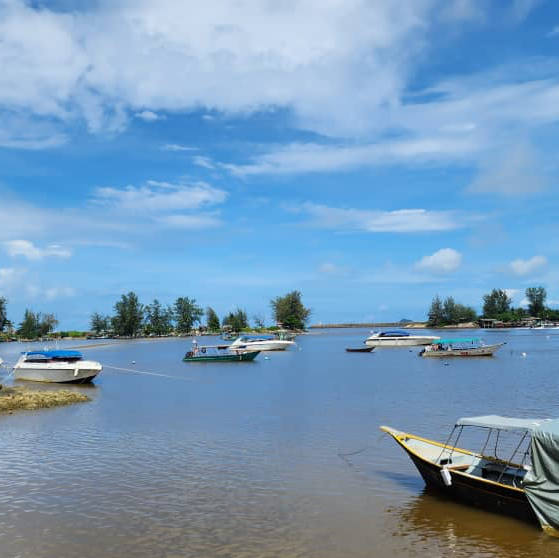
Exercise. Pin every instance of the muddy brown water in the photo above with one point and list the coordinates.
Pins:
(242, 459)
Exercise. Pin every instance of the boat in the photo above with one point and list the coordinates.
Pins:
(218, 353)
(398, 338)
(462, 347)
(58, 366)
(524, 486)
(261, 343)
(359, 349)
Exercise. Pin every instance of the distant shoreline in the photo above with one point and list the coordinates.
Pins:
(407, 325)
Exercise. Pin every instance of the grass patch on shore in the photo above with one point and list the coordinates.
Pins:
(16, 399)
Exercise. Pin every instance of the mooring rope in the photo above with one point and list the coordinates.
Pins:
(146, 373)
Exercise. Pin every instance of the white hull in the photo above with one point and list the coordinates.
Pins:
(486, 350)
(411, 341)
(272, 345)
(78, 372)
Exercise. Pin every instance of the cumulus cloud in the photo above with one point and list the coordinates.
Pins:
(149, 116)
(525, 267)
(205, 162)
(9, 276)
(28, 250)
(398, 221)
(445, 260)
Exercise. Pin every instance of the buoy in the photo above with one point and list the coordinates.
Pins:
(266, 358)
(446, 363)
(445, 474)
(523, 354)
(133, 362)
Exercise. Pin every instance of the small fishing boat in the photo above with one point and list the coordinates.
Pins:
(58, 366)
(218, 353)
(359, 349)
(462, 347)
(261, 343)
(398, 338)
(527, 489)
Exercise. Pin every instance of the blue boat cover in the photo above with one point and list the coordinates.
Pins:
(54, 354)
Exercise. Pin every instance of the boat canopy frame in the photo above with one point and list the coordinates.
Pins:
(495, 423)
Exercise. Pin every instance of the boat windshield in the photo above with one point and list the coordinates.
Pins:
(396, 333)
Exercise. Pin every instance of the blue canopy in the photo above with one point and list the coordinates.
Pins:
(54, 354)
(457, 340)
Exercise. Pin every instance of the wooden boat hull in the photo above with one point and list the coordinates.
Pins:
(359, 349)
(238, 357)
(481, 493)
(487, 350)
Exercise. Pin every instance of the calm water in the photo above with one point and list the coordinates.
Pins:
(241, 459)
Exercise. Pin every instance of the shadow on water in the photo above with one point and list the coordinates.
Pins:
(413, 482)
(431, 521)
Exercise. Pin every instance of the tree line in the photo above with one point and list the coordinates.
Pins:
(497, 305)
(132, 318)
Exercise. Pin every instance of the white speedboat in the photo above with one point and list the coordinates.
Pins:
(466, 346)
(398, 338)
(261, 343)
(59, 366)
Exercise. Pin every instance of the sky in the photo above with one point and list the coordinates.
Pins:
(368, 153)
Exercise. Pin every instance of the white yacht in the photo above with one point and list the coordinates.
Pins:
(398, 338)
(59, 366)
(261, 343)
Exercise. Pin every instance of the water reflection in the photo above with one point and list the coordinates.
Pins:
(442, 527)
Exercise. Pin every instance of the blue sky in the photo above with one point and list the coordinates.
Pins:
(369, 154)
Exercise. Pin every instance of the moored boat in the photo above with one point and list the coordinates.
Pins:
(58, 366)
(398, 338)
(528, 491)
(462, 347)
(261, 343)
(218, 353)
(359, 349)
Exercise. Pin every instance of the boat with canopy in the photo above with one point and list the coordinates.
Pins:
(525, 485)
(461, 346)
(218, 353)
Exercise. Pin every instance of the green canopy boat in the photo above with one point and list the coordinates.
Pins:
(218, 353)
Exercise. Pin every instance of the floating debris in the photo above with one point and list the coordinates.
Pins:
(15, 399)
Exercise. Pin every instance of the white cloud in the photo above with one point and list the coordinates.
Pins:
(190, 221)
(398, 221)
(158, 196)
(329, 268)
(554, 31)
(201, 161)
(177, 147)
(525, 267)
(511, 293)
(513, 172)
(49, 293)
(149, 116)
(9, 277)
(445, 260)
(28, 250)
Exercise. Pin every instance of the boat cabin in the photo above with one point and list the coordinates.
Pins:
(394, 333)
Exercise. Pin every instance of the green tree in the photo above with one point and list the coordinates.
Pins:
(237, 320)
(99, 323)
(47, 323)
(129, 315)
(259, 321)
(289, 311)
(536, 301)
(212, 320)
(159, 320)
(436, 312)
(3, 314)
(496, 304)
(187, 313)
(450, 311)
(29, 327)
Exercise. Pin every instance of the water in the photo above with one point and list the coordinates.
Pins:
(241, 459)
